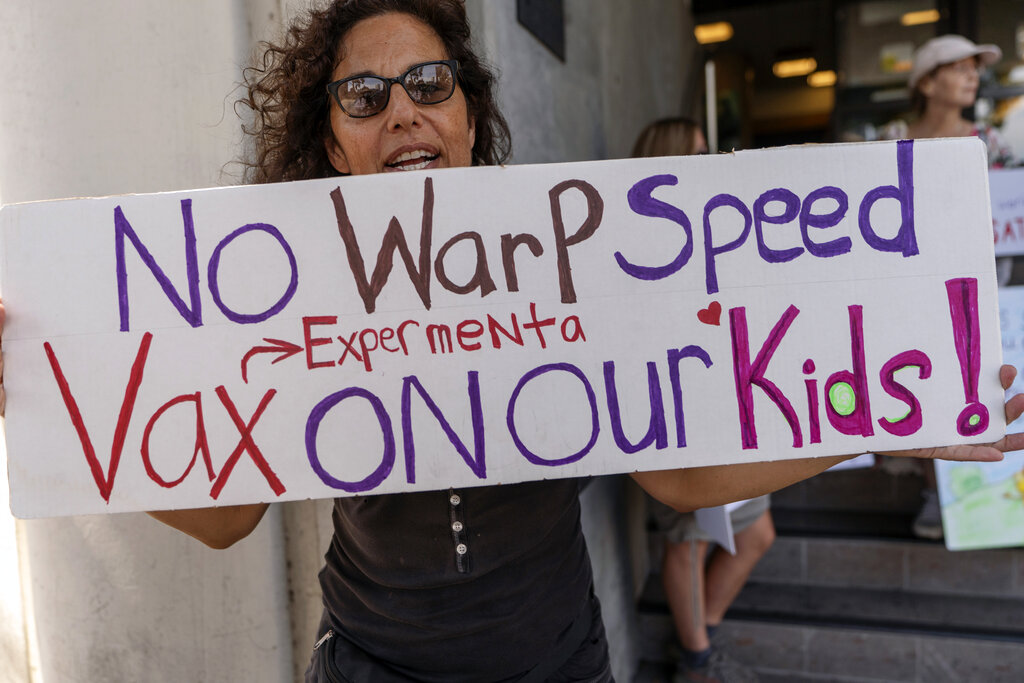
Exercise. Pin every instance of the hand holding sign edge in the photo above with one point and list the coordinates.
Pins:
(700, 487)
(993, 452)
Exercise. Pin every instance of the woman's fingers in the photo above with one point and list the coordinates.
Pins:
(966, 452)
(1007, 373)
(1014, 408)
(1010, 442)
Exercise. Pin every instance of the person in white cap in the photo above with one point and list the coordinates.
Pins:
(943, 82)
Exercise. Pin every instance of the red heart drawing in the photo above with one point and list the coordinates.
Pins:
(712, 315)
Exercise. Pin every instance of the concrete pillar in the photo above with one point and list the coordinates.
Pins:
(108, 98)
(15, 615)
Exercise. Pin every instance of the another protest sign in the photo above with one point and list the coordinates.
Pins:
(415, 331)
(1007, 188)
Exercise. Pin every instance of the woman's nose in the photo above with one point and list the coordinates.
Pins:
(401, 111)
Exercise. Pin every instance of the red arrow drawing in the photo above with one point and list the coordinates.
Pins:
(286, 349)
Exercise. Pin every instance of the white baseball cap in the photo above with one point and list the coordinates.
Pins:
(946, 50)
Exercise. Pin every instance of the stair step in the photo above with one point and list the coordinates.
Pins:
(843, 523)
(915, 565)
(969, 616)
(798, 654)
(860, 490)
(653, 672)
(898, 610)
(920, 566)
(657, 672)
(847, 594)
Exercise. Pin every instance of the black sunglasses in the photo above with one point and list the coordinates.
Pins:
(426, 83)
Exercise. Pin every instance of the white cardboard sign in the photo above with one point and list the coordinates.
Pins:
(416, 331)
(1007, 188)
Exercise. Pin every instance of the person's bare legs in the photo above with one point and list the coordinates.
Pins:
(699, 596)
(726, 574)
(682, 574)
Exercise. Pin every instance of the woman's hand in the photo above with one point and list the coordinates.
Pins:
(980, 452)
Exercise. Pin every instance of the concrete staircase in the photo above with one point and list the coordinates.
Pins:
(847, 594)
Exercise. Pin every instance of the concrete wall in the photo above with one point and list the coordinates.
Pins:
(15, 651)
(115, 97)
(626, 64)
(135, 96)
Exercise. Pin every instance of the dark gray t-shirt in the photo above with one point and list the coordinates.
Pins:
(474, 584)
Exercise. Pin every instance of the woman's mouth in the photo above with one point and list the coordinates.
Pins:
(411, 161)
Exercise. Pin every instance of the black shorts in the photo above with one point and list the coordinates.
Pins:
(338, 660)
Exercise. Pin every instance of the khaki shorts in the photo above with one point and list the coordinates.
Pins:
(680, 527)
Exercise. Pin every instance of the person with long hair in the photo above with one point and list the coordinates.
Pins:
(675, 136)
(480, 584)
(700, 588)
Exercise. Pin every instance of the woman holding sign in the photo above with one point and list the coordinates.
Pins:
(482, 584)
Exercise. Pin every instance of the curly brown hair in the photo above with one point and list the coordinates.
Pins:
(286, 88)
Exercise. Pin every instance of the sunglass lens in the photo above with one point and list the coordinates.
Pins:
(363, 96)
(430, 83)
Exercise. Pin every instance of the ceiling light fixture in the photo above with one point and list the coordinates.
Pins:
(794, 67)
(718, 32)
(822, 79)
(925, 16)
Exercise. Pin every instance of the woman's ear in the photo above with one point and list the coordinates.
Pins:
(336, 155)
(927, 86)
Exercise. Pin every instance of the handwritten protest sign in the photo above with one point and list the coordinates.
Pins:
(1007, 188)
(465, 327)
